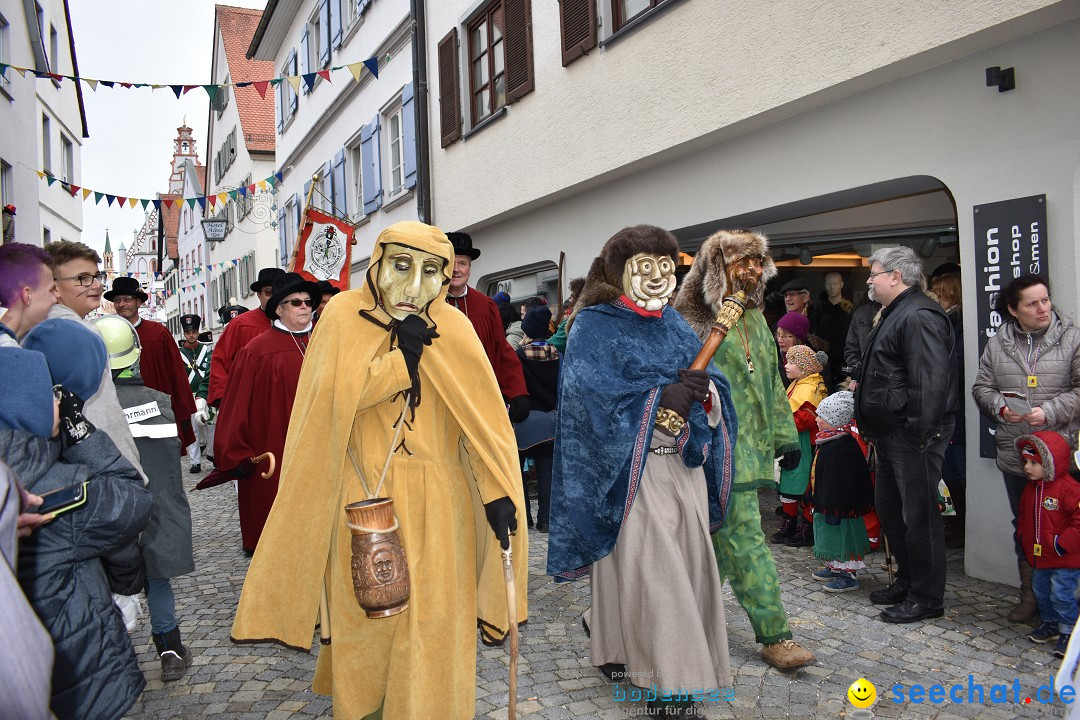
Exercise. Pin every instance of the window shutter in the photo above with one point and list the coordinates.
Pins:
(293, 100)
(408, 120)
(449, 97)
(297, 214)
(305, 57)
(335, 21)
(326, 187)
(577, 21)
(324, 26)
(307, 189)
(517, 44)
(338, 191)
(283, 243)
(371, 174)
(279, 107)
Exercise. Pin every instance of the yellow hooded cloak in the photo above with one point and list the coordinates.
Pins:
(420, 663)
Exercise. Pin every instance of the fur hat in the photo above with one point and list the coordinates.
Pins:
(838, 409)
(795, 323)
(806, 359)
(705, 287)
(603, 284)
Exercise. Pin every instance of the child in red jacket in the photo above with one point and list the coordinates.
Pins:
(1049, 531)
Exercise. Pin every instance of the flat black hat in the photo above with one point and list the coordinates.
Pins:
(190, 322)
(266, 278)
(125, 285)
(462, 243)
(796, 285)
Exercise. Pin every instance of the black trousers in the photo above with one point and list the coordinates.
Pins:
(906, 500)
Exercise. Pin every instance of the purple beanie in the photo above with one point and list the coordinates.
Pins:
(795, 323)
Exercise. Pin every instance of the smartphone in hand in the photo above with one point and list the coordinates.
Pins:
(62, 500)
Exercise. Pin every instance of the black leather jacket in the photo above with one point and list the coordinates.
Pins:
(908, 371)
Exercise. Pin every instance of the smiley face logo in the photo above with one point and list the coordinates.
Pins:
(862, 693)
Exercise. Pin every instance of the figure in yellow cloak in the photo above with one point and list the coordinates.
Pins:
(457, 455)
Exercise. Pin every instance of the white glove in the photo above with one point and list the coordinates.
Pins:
(201, 415)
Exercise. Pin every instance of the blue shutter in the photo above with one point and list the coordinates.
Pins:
(307, 188)
(325, 187)
(327, 31)
(283, 242)
(371, 168)
(335, 21)
(361, 6)
(305, 54)
(297, 213)
(337, 187)
(408, 120)
(279, 108)
(293, 100)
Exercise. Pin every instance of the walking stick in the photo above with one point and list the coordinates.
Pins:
(511, 616)
(324, 616)
(888, 557)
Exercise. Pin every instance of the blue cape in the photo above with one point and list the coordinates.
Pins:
(615, 365)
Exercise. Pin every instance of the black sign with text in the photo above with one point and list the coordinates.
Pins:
(1010, 241)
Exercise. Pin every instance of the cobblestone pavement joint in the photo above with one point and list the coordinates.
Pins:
(227, 681)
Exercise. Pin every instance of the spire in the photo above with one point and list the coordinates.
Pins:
(108, 245)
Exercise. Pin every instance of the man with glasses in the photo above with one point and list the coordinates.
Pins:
(160, 364)
(905, 405)
(238, 333)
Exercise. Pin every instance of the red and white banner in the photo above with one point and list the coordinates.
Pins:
(324, 251)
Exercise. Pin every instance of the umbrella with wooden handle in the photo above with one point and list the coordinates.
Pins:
(220, 477)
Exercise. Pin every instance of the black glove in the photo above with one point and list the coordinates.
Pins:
(244, 469)
(519, 408)
(697, 381)
(790, 459)
(678, 397)
(412, 335)
(74, 427)
(501, 516)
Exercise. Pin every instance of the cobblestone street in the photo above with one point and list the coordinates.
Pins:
(556, 680)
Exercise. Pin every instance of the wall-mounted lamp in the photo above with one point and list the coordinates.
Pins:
(928, 246)
(1002, 79)
(805, 256)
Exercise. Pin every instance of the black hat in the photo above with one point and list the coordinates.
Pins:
(462, 243)
(190, 322)
(266, 278)
(125, 285)
(795, 286)
(228, 312)
(945, 269)
(206, 337)
(285, 285)
(537, 323)
(328, 288)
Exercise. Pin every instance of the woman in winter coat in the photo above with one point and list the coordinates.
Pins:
(96, 674)
(1036, 352)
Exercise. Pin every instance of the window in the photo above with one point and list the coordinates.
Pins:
(221, 97)
(286, 96)
(5, 51)
(67, 159)
(46, 144)
(46, 236)
(225, 155)
(356, 182)
(244, 201)
(499, 56)
(54, 49)
(577, 23)
(623, 11)
(396, 156)
(7, 189)
(316, 40)
(41, 33)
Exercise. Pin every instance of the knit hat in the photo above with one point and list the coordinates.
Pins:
(795, 323)
(501, 298)
(838, 409)
(31, 408)
(76, 354)
(806, 359)
(537, 323)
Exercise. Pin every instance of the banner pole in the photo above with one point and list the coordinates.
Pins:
(303, 221)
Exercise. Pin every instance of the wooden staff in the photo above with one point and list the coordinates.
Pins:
(511, 615)
(303, 220)
(731, 310)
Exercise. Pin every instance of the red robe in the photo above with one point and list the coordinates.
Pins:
(255, 419)
(241, 330)
(163, 370)
(484, 316)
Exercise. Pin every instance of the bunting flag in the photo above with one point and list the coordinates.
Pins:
(212, 89)
(216, 200)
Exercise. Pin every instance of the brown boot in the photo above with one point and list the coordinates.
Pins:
(1027, 607)
(786, 655)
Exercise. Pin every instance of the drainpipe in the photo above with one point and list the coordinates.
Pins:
(420, 84)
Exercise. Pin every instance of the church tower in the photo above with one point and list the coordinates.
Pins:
(183, 150)
(108, 256)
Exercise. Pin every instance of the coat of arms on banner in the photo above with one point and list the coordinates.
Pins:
(324, 251)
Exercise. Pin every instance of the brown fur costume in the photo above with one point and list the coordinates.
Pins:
(603, 284)
(705, 286)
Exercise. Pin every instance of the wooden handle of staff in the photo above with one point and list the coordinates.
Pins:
(731, 310)
(266, 456)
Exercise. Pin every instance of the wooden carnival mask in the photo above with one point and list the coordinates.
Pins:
(408, 280)
(649, 280)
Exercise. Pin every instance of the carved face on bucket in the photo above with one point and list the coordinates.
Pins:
(649, 280)
(408, 280)
(382, 562)
(745, 274)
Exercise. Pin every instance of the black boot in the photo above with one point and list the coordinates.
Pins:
(804, 535)
(175, 658)
(787, 530)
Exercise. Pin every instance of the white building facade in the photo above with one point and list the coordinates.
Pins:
(837, 129)
(357, 137)
(192, 248)
(43, 121)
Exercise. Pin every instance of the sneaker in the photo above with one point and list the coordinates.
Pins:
(825, 575)
(195, 469)
(786, 655)
(844, 582)
(1044, 633)
(1062, 645)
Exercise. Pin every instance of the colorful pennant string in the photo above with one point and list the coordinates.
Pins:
(222, 198)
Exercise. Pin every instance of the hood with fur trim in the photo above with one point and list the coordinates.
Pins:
(703, 291)
(603, 284)
(1053, 451)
